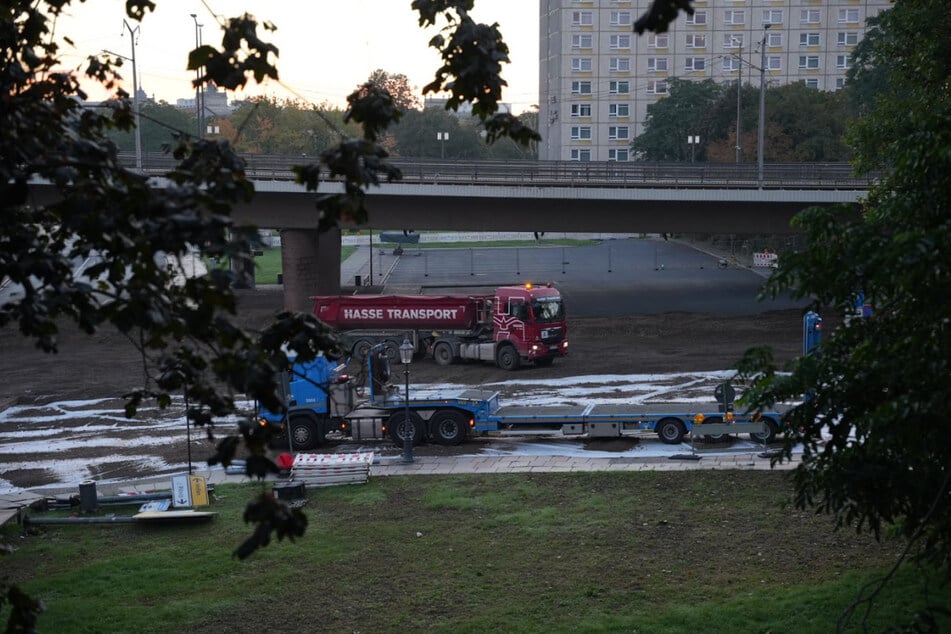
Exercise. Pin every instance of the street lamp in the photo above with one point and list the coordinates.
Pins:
(198, 105)
(739, 125)
(442, 137)
(762, 107)
(693, 140)
(135, 94)
(406, 357)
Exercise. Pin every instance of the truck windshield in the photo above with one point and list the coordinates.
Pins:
(548, 310)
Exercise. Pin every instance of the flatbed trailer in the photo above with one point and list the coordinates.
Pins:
(449, 417)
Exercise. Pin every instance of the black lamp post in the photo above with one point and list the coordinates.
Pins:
(406, 357)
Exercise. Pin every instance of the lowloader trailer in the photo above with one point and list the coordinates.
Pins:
(321, 401)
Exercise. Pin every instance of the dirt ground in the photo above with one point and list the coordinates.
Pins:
(105, 365)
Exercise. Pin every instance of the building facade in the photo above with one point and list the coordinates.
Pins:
(597, 77)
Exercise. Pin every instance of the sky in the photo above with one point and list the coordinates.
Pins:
(326, 48)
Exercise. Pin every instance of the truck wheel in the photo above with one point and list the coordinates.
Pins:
(392, 351)
(507, 358)
(671, 431)
(442, 353)
(361, 349)
(769, 435)
(713, 420)
(448, 427)
(397, 428)
(305, 433)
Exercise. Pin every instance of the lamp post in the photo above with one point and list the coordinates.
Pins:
(198, 105)
(739, 125)
(442, 137)
(760, 141)
(693, 140)
(406, 357)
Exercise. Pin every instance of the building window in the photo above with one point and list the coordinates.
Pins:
(580, 155)
(696, 40)
(656, 87)
(620, 41)
(582, 18)
(619, 64)
(839, 83)
(619, 87)
(732, 40)
(698, 18)
(773, 16)
(850, 38)
(617, 110)
(808, 39)
(695, 63)
(580, 133)
(809, 16)
(581, 64)
(774, 38)
(657, 64)
(618, 132)
(582, 41)
(774, 62)
(841, 62)
(619, 154)
(620, 18)
(812, 82)
(848, 16)
(731, 63)
(808, 61)
(581, 88)
(581, 110)
(658, 40)
(734, 17)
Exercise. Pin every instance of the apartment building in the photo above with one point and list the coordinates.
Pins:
(597, 77)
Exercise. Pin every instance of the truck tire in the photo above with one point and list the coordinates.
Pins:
(361, 349)
(448, 427)
(769, 435)
(396, 427)
(392, 351)
(507, 358)
(671, 431)
(306, 432)
(442, 353)
(713, 420)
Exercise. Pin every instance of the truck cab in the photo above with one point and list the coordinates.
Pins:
(529, 321)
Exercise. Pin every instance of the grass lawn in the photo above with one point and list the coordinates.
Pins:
(684, 551)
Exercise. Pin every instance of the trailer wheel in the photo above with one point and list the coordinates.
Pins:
(305, 432)
(507, 358)
(769, 435)
(442, 353)
(671, 431)
(448, 427)
(361, 349)
(713, 420)
(397, 427)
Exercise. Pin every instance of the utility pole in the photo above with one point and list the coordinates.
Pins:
(198, 95)
(739, 123)
(760, 144)
(135, 93)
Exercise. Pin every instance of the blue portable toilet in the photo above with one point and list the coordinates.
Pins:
(811, 331)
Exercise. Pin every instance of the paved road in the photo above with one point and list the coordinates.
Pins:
(618, 276)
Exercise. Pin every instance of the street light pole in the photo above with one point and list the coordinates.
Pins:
(198, 105)
(442, 137)
(406, 357)
(760, 142)
(739, 125)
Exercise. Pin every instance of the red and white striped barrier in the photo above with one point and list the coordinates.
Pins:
(765, 259)
(332, 468)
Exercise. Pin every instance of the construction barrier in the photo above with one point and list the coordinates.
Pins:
(765, 259)
(332, 468)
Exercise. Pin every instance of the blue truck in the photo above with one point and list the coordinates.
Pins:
(322, 400)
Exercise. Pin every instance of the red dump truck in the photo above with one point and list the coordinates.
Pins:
(517, 325)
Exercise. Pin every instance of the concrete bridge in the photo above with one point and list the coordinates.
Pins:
(551, 196)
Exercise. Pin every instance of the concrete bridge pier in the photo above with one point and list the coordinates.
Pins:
(311, 263)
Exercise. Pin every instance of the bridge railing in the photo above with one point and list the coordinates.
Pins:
(568, 173)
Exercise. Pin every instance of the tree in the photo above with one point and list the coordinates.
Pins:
(398, 86)
(874, 422)
(670, 121)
